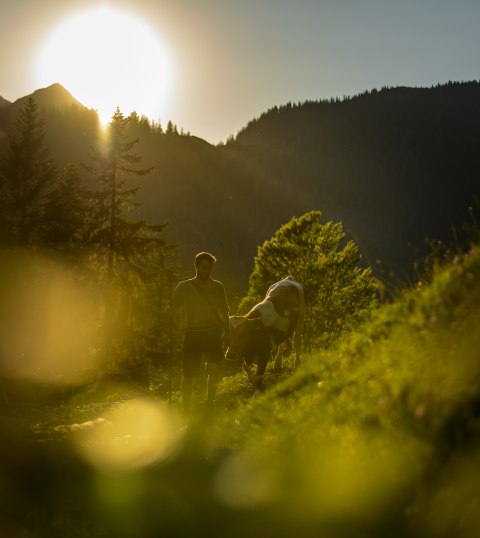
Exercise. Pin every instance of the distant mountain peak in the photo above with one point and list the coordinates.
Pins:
(53, 95)
(4, 102)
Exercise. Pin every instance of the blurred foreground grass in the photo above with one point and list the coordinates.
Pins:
(379, 437)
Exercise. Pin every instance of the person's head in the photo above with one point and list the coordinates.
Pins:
(204, 262)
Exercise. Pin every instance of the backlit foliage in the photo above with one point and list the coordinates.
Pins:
(338, 291)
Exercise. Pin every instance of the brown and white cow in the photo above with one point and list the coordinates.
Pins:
(267, 326)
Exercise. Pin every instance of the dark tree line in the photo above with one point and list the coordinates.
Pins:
(396, 165)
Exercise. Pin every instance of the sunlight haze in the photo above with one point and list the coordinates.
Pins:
(107, 58)
(232, 61)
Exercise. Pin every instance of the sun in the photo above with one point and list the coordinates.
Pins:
(108, 58)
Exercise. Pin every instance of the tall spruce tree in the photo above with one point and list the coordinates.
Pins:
(27, 173)
(125, 251)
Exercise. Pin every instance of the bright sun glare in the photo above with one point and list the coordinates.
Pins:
(108, 58)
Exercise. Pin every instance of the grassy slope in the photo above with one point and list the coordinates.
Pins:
(381, 433)
(377, 438)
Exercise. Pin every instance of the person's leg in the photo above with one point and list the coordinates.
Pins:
(213, 379)
(187, 389)
(214, 357)
(191, 367)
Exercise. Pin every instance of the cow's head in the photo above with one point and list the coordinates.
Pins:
(239, 337)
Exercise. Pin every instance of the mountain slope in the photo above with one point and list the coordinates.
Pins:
(54, 95)
(71, 129)
(395, 166)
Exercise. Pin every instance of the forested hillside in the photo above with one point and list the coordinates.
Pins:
(395, 166)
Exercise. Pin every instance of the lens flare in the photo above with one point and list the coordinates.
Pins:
(47, 321)
(134, 435)
(242, 484)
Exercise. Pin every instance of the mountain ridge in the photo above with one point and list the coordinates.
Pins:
(54, 95)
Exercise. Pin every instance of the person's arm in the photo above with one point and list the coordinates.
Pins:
(177, 298)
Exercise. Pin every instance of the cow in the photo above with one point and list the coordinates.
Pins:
(268, 325)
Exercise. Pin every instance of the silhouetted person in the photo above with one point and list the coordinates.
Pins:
(204, 317)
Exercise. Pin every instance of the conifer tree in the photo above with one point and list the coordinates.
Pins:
(171, 128)
(115, 237)
(338, 291)
(27, 173)
(124, 250)
(68, 216)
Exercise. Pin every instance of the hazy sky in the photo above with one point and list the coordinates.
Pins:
(234, 59)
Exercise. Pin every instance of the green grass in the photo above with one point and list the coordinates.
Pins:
(388, 423)
(378, 437)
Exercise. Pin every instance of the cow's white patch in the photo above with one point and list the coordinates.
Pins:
(285, 283)
(270, 316)
(267, 312)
